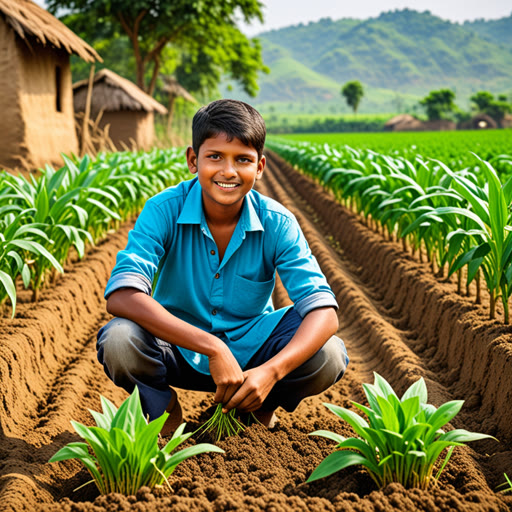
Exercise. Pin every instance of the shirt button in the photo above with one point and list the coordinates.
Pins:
(217, 276)
(212, 252)
(214, 312)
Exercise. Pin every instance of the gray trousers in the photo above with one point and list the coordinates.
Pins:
(132, 356)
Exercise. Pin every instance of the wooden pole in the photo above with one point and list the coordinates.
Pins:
(87, 114)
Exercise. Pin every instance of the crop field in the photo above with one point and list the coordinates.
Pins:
(486, 143)
(408, 309)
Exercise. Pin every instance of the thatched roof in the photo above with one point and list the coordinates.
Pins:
(28, 19)
(402, 123)
(112, 93)
(173, 88)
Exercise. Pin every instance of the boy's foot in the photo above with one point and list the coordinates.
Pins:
(266, 418)
(175, 418)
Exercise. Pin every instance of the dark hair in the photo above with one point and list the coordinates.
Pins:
(232, 117)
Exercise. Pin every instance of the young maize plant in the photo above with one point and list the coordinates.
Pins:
(42, 219)
(402, 439)
(121, 452)
(491, 228)
(462, 218)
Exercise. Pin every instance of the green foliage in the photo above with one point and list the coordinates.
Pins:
(402, 439)
(461, 217)
(42, 219)
(125, 454)
(399, 50)
(222, 425)
(507, 485)
(353, 92)
(189, 28)
(486, 103)
(439, 104)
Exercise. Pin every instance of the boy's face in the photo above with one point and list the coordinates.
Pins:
(227, 170)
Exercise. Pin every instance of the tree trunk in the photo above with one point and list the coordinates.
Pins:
(170, 117)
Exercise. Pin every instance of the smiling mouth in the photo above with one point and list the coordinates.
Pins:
(227, 185)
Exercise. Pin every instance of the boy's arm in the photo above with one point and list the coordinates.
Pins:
(316, 328)
(141, 308)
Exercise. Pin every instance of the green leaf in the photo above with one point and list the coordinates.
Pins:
(328, 435)
(8, 285)
(335, 462)
(417, 389)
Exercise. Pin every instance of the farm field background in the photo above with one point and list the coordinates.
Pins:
(396, 318)
(485, 143)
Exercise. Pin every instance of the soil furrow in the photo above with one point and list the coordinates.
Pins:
(394, 318)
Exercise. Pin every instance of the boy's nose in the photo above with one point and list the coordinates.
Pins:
(229, 170)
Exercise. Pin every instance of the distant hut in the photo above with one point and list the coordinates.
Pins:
(507, 121)
(175, 90)
(403, 123)
(439, 125)
(121, 104)
(36, 99)
(478, 122)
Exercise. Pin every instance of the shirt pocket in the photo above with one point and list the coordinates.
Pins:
(249, 298)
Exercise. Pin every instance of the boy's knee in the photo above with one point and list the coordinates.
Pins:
(329, 363)
(123, 347)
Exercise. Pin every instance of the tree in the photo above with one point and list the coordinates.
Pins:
(189, 28)
(497, 109)
(482, 99)
(439, 104)
(353, 92)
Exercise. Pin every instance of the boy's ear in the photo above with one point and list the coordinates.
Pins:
(261, 167)
(191, 160)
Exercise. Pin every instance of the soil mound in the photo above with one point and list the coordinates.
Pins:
(395, 318)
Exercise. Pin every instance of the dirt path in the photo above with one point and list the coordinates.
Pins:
(395, 318)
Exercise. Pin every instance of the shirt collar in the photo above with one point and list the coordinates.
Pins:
(192, 214)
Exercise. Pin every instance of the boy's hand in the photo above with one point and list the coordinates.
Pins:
(226, 373)
(257, 385)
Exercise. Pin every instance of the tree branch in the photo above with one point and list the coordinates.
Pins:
(154, 76)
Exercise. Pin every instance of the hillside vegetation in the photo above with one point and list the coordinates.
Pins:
(405, 53)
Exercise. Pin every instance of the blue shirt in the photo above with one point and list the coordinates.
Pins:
(172, 245)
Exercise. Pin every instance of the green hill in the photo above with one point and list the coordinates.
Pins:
(495, 31)
(398, 56)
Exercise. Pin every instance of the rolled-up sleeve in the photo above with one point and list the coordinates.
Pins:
(299, 271)
(137, 264)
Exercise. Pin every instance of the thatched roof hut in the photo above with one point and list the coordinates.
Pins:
(478, 122)
(121, 104)
(439, 125)
(403, 123)
(35, 80)
(175, 90)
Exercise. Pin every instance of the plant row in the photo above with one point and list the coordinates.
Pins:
(461, 218)
(452, 147)
(403, 440)
(43, 218)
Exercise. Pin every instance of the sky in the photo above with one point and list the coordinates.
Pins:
(282, 13)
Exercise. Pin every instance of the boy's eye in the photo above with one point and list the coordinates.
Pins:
(213, 157)
(244, 159)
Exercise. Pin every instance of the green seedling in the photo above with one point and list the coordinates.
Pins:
(125, 454)
(224, 424)
(507, 485)
(402, 440)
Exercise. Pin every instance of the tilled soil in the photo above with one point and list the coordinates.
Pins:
(396, 319)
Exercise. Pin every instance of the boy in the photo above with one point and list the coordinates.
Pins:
(208, 322)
